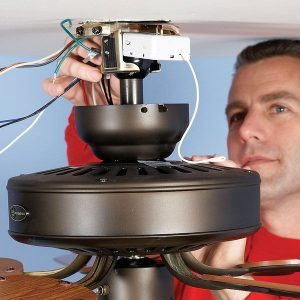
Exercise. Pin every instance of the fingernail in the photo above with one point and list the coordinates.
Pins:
(218, 158)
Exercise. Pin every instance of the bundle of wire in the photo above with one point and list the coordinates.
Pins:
(67, 49)
(92, 52)
(37, 63)
(39, 111)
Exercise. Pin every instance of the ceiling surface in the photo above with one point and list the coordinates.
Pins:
(216, 27)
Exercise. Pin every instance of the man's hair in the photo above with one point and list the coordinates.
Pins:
(267, 49)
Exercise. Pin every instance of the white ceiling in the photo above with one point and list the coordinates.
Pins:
(216, 27)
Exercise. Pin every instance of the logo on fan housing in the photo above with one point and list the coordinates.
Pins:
(18, 213)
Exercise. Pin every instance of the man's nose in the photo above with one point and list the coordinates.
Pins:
(253, 128)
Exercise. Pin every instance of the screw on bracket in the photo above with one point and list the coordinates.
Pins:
(80, 30)
(97, 30)
(102, 290)
(103, 179)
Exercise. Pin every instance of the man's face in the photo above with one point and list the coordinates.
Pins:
(264, 124)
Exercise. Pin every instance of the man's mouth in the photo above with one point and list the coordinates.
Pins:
(256, 160)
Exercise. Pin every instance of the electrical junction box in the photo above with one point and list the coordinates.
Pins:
(156, 47)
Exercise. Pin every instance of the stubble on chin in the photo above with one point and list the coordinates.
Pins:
(271, 190)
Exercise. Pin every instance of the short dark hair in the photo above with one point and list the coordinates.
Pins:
(267, 49)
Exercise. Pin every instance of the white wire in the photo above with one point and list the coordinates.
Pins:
(212, 159)
(102, 90)
(93, 93)
(22, 133)
(31, 62)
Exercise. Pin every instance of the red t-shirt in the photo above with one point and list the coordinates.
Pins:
(260, 246)
(78, 152)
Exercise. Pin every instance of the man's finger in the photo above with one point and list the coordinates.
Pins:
(225, 163)
(90, 43)
(200, 157)
(54, 89)
(226, 254)
(73, 67)
(81, 52)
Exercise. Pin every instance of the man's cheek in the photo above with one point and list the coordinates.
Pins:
(232, 149)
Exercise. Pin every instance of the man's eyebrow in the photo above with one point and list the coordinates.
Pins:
(236, 104)
(278, 95)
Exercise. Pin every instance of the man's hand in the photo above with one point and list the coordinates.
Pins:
(74, 67)
(225, 254)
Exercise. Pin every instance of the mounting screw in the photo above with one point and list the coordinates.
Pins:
(102, 290)
(103, 179)
(162, 108)
(80, 30)
(97, 30)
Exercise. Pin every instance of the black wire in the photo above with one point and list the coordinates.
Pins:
(105, 92)
(73, 82)
(109, 91)
(50, 60)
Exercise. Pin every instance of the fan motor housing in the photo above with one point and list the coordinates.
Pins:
(132, 132)
(140, 208)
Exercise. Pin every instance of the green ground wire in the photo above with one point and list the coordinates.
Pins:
(65, 56)
(78, 42)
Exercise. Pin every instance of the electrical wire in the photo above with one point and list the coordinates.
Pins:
(40, 112)
(30, 115)
(37, 63)
(52, 59)
(70, 85)
(89, 57)
(76, 41)
(63, 59)
(105, 92)
(6, 121)
(41, 62)
(101, 87)
(212, 159)
(85, 97)
(93, 94)
(109, 91)
(22, 133)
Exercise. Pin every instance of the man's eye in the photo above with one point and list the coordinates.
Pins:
(279, 108)
(237, 117)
